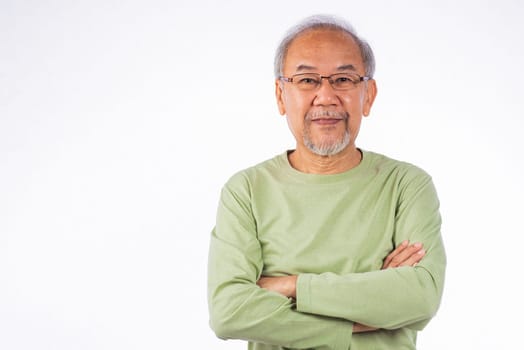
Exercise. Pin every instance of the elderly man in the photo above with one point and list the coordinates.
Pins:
(326, 246)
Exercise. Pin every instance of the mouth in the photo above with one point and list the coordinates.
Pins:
(326, 117)
(326, 121)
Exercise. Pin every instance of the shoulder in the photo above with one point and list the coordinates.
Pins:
(382, 164)
(406, 177)
(247, 177)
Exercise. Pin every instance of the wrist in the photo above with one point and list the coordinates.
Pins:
(292, 288)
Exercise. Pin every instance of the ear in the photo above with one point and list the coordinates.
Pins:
(369, 98)
(279, 92)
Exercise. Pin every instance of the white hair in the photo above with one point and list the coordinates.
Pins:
(326, 22)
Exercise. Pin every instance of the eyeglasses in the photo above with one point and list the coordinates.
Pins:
(312, 81)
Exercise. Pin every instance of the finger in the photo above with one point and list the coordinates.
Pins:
(414, 259)
(404, 255)
(394, 253)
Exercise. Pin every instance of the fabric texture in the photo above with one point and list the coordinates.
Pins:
(333, 231)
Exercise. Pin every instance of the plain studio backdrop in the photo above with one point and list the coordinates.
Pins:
(121, 120)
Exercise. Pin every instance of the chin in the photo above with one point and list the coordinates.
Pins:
(327, 149)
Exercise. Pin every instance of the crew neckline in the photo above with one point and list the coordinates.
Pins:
(324, 178)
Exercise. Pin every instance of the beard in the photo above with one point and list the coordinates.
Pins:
(327, 146)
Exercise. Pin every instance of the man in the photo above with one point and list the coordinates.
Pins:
(310, 248)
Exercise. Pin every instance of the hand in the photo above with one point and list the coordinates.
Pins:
(285, 285)
(404, 255)
(359, 328)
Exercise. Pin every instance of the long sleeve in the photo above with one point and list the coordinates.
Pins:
(238, 308)
(333, 231)
(392, 298)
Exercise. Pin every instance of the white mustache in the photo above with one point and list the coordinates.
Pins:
(323, 114)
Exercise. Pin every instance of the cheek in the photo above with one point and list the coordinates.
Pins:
(295, 126)
(351, 100)
(352, 103)
(293, 109)
(297, 102)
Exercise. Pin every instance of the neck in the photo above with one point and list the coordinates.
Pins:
(303, 160)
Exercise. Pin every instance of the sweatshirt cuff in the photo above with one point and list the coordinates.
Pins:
(303, 299)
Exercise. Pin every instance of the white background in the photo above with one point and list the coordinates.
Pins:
(121, 120)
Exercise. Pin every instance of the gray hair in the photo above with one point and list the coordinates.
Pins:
(324, 22)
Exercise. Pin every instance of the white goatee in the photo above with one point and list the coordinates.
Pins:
(326, 148)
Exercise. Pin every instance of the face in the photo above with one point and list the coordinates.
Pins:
(324, 121)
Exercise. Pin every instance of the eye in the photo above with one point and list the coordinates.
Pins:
(344, 80)
(307, 81)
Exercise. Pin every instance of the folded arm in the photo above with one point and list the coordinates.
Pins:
(327, 304)
(404, 255)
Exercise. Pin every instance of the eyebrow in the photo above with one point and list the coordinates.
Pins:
(302, 67)
(345, 67)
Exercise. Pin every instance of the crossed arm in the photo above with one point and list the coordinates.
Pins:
(404, 255)
(244, 305)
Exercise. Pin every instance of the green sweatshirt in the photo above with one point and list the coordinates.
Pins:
(333, 231)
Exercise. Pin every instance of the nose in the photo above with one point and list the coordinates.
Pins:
(325, 94)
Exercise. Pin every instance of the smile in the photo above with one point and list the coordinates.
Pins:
(326, 121)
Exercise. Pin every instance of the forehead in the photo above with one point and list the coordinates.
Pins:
(323, 49)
